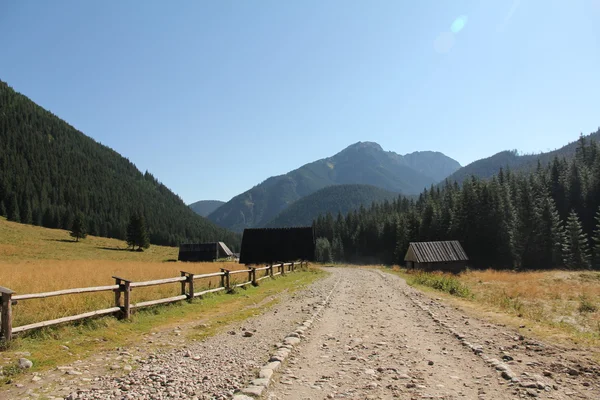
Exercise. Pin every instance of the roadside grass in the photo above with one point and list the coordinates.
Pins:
(559, 305)
(212, 313)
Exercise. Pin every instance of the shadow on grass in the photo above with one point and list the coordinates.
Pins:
(61, 240)
(113, 248)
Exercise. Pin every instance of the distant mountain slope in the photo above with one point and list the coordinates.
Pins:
(205, 207)
(360, 163)
(487, 167)
(332, 199)
(50, 171)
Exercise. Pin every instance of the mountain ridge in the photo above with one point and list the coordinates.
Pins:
(205, 207)
(51, 172)
(331, 199)
(359, 163)
(489, 166)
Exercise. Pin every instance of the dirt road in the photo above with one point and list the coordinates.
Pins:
(377, 338)
(380, 339)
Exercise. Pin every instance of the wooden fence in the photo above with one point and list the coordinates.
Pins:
(123, 288)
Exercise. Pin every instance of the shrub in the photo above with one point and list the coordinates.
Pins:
(585, 305)
(441, 282)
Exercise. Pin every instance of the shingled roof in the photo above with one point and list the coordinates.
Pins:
(431, 252)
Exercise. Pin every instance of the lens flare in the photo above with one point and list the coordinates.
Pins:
(458, 24)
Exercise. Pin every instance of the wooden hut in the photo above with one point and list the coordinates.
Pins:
(447, 256)
(203, 251)
(272, 245)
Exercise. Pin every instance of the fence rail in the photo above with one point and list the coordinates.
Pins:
(122, 290)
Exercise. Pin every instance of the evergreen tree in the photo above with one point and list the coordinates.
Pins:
(576, 250)
(2, 209)
(337, 248)
(596, 242)
(78, 230)
(323, 250)
(12, 208)
(550, 236)
(137, 234)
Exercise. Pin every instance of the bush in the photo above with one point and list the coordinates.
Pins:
(441, 282)
(585, 305)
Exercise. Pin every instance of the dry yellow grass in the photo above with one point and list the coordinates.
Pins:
(34, 259)
(42, 276)
(569, 298)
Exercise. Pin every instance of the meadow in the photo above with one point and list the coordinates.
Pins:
(35, 259)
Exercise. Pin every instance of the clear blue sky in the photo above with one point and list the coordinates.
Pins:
(213, 97)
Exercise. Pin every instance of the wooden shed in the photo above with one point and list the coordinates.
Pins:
(203, 251)
(447, 256)
(271, 245)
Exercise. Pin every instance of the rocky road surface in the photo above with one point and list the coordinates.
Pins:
(377, 338)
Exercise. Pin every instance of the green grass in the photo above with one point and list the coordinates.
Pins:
(441, 282)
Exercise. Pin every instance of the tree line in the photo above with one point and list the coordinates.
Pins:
(549, 218)
(50, 173)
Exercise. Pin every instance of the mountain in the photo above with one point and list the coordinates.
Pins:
(51, 172)
(332, 199)
(487, 167)
(360, 163)
(205, 207)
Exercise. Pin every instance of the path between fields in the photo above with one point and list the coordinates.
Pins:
(377, 338)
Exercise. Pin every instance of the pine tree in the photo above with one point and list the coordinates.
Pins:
(576, 249)
(596, 242)
(337, 248)
(137, 234)
(78, 230)
(550, 235)
(12, 209)
(323, 250)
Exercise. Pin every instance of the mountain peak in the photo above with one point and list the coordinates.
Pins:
(365, 145)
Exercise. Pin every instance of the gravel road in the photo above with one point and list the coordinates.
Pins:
(381, 339)
(377, 338)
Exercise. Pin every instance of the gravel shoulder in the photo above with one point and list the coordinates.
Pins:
(377, 338)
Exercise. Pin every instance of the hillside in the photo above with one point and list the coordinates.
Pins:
(487, 167)
(205, 207)
(360, 163)
(332, 199)
(51, 171)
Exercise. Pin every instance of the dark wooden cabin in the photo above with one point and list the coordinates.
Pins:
(447, 256)
(272, 245)
(203, 251)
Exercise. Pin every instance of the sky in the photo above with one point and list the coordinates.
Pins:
(213, 97)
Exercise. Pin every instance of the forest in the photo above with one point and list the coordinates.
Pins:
(51, 172)
(545, 219)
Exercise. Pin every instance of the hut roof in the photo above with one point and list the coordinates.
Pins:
(427, 252)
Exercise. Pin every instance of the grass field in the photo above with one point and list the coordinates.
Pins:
(34, 259)
(561, 304)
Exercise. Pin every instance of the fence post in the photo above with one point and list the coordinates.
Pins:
(292, 266)
(6, 323)
(282, 269)
(225, 280)
(190, 282)
(118, 292)
(183, 282)
(250, 279)
(125, 287)
(253, 274)
(271, 271)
